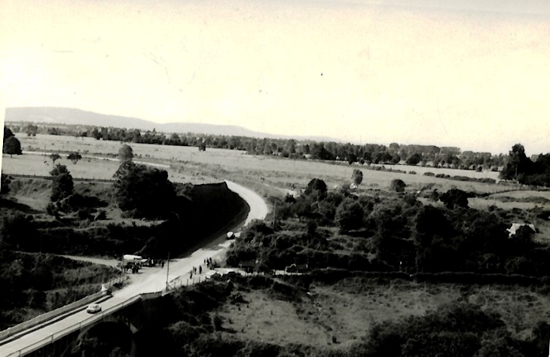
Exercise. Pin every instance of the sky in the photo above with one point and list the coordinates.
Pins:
(472, 73)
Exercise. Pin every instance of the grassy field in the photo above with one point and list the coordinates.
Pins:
(445, 171)
(339, 314)
(187, 164)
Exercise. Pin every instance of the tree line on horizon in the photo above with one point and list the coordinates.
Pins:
(410, 154)
(514, 166)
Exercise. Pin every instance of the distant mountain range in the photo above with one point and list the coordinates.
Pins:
(71, 116)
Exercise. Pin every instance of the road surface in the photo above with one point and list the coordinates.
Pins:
(153, 280)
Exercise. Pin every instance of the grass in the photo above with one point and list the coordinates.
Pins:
(345, 311)
(187, 164)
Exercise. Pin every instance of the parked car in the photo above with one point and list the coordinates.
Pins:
(233, 235)
(93, 308)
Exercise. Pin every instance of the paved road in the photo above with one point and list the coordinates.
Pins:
(153, 280)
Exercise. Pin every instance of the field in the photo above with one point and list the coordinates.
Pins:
(339, 314)
(269, 175)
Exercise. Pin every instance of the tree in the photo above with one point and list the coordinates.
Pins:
(144, 190)
(31, 130)
(518, 164)
(414, 159)
(316, 185)
(74, 157)
(96, 134)
(357, 177)
(349, 215)
(12, 146)
(125, 153)
(454, 198)
(7, 133)
(352, 158)
(397, 185)
(62, 183)
(54, 158)
(5, 185)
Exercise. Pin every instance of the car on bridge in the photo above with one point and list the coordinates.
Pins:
(93, 308)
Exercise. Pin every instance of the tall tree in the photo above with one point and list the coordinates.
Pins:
(62, 183)
(12, 146)
(349, 215)
(31, 130)
(144, 190)
(5, 185)
(125, 153)
(7, 133)
(518, 164)
(357, 177)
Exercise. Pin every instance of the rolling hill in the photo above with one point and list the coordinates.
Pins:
(71, 116)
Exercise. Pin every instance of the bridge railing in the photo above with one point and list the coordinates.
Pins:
(40, 319)
(75, 327)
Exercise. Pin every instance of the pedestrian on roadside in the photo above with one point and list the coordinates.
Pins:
(200, 269)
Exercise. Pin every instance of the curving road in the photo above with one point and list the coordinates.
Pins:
(153, 281)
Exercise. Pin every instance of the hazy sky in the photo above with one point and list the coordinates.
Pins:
(469, 73)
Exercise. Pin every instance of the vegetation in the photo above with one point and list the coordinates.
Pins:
(519, 167)
(62, 183)
(74, 157)
(395, 153)
(7, 133)
(397, 185)
(12, 146)
(345, 316)
(144, 191)
(5, 185)
(423, 240)
(36, 283)
(388, 232)
(125, 153)
(54, 157)
(88, 221)
(357, 177)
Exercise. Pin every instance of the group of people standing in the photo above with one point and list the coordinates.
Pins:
(209, 262)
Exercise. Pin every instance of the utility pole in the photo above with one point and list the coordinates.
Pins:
(275, 215)
(167, 271)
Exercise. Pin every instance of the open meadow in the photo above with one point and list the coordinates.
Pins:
(186, 164)
(335, 315)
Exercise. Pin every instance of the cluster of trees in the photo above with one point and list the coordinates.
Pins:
(401, 232)
(187, 323)
(144, 191)
(35, 283)
(332, 151)
(522, 169)
(455, 329)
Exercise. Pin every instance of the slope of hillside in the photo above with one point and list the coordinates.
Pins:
(71, 116)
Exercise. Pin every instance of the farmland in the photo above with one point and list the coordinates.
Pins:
(187, 164)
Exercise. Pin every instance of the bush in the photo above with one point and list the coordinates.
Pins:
(397, 185)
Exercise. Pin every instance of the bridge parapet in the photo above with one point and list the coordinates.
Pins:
(38, 320)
